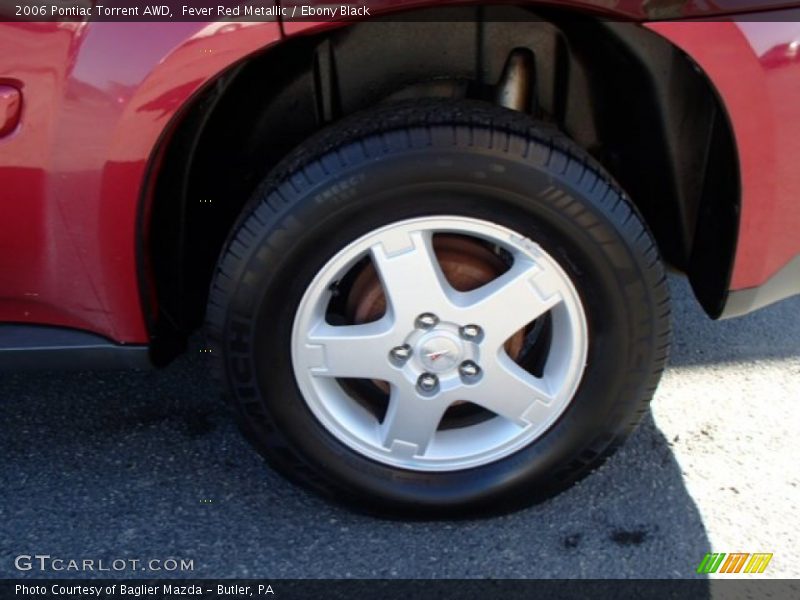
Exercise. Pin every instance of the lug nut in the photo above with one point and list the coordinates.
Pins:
(428, 382)
(471, 332)
(401, 354)
(469, 370)
(427, 321)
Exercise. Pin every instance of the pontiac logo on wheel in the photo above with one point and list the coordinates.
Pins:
(440, 354)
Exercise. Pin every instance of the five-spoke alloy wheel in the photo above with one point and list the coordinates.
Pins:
(436, 307)
(438, 347)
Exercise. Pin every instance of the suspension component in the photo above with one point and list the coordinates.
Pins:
(515, 90)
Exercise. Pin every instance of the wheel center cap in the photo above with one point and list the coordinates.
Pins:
(439, 353)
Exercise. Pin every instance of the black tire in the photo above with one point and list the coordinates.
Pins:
(350, 180)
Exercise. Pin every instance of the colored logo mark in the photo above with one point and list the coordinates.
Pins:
(737, 562)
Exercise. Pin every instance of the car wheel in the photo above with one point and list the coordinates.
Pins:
(438, 307)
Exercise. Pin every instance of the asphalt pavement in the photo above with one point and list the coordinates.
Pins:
(149, 465)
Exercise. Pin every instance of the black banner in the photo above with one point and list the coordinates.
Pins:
(461, 589)
(289, 11)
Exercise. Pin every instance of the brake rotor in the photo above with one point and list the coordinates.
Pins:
(467, 265)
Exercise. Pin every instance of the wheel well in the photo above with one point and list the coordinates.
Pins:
(635, 102)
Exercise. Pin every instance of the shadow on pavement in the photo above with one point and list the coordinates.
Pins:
(149, 465)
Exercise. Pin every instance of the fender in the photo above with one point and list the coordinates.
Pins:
(766, 127)
(96, 97)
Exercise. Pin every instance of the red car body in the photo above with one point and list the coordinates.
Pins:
(87, 108)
